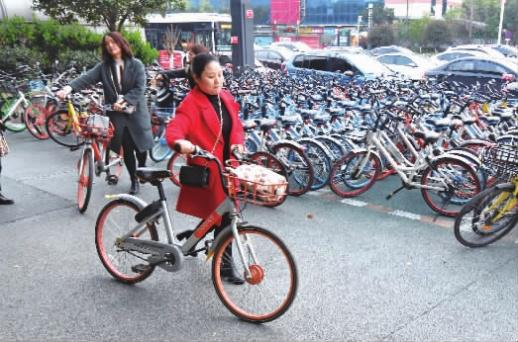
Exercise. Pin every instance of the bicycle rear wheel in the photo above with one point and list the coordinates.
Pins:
(458, 182)
(487, 217)
(115, 220)
(85, 182)
(59, 127)
(271, 289)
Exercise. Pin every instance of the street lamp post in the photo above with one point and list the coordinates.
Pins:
(502, 6)
(358, 28)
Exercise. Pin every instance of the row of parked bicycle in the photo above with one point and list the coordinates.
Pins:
(316, 130)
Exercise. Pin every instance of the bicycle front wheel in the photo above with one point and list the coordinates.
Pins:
(35, 117)
(15, 122)
(115, 220)
(298, 168)
(487, 217)
(59, 127)
(354, 174)
(160, 149)
(85, 182)
(272, 287)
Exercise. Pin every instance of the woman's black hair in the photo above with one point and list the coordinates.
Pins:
(200, 62)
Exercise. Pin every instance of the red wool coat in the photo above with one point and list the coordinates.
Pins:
(197, 121)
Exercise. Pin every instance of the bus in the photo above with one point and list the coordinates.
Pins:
(209, 29)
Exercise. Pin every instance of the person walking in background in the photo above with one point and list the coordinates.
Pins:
(193, 51)
(207, 117)
(3, 151)
(124, 82)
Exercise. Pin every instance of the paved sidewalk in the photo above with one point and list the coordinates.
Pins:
(366, 274)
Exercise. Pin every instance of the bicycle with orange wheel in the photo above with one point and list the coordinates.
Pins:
(96, 156)
(128, 245)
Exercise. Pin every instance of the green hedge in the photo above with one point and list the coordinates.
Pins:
(44, 41)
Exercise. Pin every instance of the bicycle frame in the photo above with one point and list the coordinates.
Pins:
(227, 206)
(406, 173)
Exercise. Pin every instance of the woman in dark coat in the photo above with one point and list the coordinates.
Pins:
(207, 117)
(124, 82)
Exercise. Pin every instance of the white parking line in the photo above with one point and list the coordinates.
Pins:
(353, 202)
(406, 214)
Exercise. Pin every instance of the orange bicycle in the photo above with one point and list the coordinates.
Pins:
(128, 245)
(96, 157)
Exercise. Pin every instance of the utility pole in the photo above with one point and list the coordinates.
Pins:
(242, 32)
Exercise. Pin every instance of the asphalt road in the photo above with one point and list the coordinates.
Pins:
(370, 269)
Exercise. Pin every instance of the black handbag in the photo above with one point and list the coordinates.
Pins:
(194, 175)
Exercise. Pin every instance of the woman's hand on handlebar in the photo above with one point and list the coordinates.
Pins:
(184, 147)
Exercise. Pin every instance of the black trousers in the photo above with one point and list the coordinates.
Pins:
(130, 152)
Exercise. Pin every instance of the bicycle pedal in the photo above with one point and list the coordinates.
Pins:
(75, 148)
(140, 268)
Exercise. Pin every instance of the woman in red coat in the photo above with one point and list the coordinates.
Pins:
(206, 114)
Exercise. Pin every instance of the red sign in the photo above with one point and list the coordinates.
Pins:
(163, 59)
(234, 40)
(249, 14)
(285, 12)
(177, 59)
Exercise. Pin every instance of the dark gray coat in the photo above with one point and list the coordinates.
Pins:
(133, 89)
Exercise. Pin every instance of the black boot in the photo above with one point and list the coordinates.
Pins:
(135, 187)
(5, 201)
(228, 272)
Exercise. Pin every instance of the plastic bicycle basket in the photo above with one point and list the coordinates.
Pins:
(98, 126)
(254, 183)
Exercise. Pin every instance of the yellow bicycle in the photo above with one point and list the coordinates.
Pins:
(493, 213)
(64, 125)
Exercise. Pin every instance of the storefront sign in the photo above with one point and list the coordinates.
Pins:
(164, 60)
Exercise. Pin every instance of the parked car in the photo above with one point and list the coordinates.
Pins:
(273, 58)
(409, 65)
(382, 50)
(480, 48)
(448, 56)
(506, 50)
(292, 46)
(470, 70)
(330, 62)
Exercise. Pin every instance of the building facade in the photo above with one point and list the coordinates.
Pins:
(416, 9)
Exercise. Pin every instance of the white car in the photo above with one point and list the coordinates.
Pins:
(409, 65)
(450, 55)
(293, 46)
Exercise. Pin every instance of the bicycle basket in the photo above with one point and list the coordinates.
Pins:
(255, 184)
(36, 85)
(98, 125)
(501, 161)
